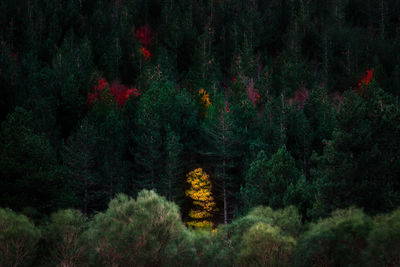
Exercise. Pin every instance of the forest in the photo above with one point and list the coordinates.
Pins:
(199, 133)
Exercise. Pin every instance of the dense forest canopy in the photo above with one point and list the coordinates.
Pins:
(220, 106)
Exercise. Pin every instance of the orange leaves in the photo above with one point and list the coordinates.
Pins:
(204, 98)
(204, 101)
(201, 194)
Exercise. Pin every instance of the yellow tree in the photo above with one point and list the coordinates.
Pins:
(200, 192)
(204, 100)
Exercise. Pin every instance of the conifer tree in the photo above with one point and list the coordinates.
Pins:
(80, 157)
(173, 167)
(148, 144)
(29, 173)
(275, 182)
(221, 148)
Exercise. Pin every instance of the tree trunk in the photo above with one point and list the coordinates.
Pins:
(224, 194)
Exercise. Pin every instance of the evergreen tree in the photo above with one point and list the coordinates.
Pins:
(221, 143)
(30, 175)
(359, 164)
(275, 182)
(80, 157)
(173, 168)
(148, 145)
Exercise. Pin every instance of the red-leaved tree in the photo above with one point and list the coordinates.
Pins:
(144, 35)
(365, 81)
(119, 93)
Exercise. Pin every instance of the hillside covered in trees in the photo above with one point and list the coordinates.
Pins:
(199, 133)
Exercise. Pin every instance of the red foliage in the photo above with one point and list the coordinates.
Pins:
(234, 80)
(227, 106)
(257, 98)
(98, 88)
(144, 35)
(301, 97)
(146, 53)
(366, 79)
(120, 93)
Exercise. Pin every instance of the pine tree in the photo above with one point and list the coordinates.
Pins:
(359, 164)
(173, 167)
(80, 157)
(275, 182)
(148, 145)
(221, 141)
(30, 175)
(112, 147)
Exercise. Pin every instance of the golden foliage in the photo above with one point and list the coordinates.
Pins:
(200, 192)
(205, 98)
(201, 224)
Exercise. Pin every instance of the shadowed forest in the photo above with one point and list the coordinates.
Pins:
(199, 133)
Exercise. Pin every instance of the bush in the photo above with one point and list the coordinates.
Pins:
(18, 239)
(64, 238)
(288, 219)
(384, 241)
(211, 247)
(253, 236)
(335, 241)
(265, 245)
(142, 232)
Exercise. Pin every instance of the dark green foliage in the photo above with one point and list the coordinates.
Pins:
(172, 183)
(211, 249)
(80, 157)
(29, 173)
(276, 182)
(162, 114)
(302, 109)
(336, 241)
(221, 147)
(18, 239)
(360, 164)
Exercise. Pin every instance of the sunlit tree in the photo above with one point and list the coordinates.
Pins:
(200, 192)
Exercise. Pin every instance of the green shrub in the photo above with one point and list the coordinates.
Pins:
(336, 241)
(65, 243)
(18, 239)
(142, 232)
(211, 247)
(253, 236)
(287, 219)
(265, 245)
(384, 241)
